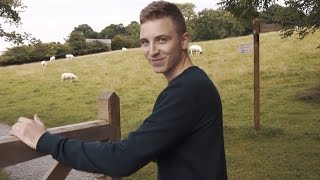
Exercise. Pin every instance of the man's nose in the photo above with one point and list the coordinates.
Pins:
(153, 49)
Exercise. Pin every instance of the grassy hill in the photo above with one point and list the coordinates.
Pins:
(286, 147)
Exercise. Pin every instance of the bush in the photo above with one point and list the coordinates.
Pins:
(42, 52)
(16, 55)
(120, 41)
(96, 47)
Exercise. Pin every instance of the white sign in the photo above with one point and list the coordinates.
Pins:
(246, 48)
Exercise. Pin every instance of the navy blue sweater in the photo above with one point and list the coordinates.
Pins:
(183, 135)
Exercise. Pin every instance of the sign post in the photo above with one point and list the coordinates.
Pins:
(256, 86)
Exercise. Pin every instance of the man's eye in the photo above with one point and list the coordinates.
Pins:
(162, 40)
(144, 43)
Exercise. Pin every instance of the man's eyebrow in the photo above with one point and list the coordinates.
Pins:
(143, 39)
(163, 35)
(157, 37)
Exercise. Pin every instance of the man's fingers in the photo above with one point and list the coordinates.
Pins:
(15, 128)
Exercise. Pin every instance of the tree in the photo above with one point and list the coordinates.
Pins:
(41, 51)
(9, 14)
(216, 24)
(112, 30)
(62, 50)
(77, 41)
(311, 22)
(133, 29)
(16, 55)
(269, 13)
(87, 31)
(96, 47)
(286, 16)
(187, 10)
(189, 14)
(247, 10)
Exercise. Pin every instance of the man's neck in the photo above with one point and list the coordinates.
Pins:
(184, 64)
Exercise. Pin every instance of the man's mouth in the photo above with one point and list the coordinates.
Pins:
(157, 62)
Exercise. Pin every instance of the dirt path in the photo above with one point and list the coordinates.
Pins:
(35, 169)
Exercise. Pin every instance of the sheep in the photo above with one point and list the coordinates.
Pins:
(125, 49)
(71, 76)
(195, 48)
(69, 56)
(52, 58)
(44, 64)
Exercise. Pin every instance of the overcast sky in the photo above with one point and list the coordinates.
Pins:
(53, 21)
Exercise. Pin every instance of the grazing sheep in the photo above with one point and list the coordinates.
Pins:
(71, 76)
(52, 58)
(195, 48)
(125, 49)
(44, 64)
(69, 56)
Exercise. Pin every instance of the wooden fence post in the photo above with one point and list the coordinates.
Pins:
(109, 111)
(256, 86)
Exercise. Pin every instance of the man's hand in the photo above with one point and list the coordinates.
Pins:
(28, 131)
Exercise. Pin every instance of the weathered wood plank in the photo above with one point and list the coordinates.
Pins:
(57, 171)
(14, 151)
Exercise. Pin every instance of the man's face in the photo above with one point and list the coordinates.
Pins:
(162, 46)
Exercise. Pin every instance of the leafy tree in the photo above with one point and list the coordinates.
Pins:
(189, 14)
(216, 24)
(289, 17)
(77, 41)
(187, 10)
(41, 51)
(112, 30)
(247, 10)
(286, 16)
(269, 13)
(62, 49)
(96, 47)
(120, 41)
(133, 29)
(16, 55)
(87, 31)
(311, 22)
(9, 15)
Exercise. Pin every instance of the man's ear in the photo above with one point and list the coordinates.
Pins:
(185, 40)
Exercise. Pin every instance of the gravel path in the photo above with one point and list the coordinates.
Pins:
(36, 168)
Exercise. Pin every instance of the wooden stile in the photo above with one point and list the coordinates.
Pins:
(107, 128)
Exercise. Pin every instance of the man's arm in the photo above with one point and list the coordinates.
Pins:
(173, 118)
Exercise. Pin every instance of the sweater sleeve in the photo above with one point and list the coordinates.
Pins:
(171, 121)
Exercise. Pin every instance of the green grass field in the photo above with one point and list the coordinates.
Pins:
(286, 147)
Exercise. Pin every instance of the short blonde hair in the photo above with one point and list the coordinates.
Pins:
(161, 9)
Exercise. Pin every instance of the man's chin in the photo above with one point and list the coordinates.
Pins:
(157, 70)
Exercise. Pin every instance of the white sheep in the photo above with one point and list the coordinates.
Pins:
(52, 58)
(71, 76)
(195, 48)
(69, 56)
(125, 49)
(44, 64)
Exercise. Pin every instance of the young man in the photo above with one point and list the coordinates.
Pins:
(184, 132)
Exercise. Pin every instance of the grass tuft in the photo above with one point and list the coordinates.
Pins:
(310, 95)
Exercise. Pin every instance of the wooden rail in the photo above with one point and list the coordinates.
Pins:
(106, 128)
